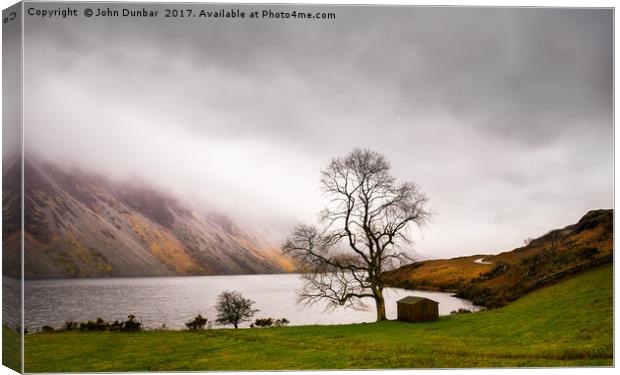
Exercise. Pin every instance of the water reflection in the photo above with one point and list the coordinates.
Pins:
(171, 301)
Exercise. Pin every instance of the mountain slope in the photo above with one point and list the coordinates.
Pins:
(84, 225)
(494, 280)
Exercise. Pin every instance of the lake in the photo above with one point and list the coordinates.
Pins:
(172, 301)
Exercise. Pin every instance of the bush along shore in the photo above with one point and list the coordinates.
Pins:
(132, 324)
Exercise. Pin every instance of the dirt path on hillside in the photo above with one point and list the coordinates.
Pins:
(481, 261)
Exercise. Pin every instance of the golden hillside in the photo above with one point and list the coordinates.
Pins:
(494, 280)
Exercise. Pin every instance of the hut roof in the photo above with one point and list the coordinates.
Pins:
(412, 300)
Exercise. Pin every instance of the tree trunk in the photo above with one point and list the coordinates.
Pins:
(236, 325)
(380, 302)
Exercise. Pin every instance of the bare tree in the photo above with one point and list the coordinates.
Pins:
(233, 309)
(554, 238)
(365, 231)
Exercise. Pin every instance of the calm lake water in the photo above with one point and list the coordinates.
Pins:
(172, 301)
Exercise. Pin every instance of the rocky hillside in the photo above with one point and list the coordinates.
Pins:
(83, 225)
(494, 280)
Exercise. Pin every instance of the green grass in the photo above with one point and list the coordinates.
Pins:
(11, 349)
(568, 324)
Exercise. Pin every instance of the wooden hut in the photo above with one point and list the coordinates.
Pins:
(417, 309)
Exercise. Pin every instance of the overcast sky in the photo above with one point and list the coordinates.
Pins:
(502, 116)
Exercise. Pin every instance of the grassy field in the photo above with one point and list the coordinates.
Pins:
(11, 349)
(568, 324)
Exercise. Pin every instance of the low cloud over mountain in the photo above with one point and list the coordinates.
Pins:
(79, 224)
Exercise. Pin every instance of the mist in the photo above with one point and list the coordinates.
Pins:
(502, 116)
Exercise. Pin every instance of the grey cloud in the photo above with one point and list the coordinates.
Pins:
(527, 71)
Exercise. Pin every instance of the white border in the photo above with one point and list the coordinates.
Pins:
(483, 3)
